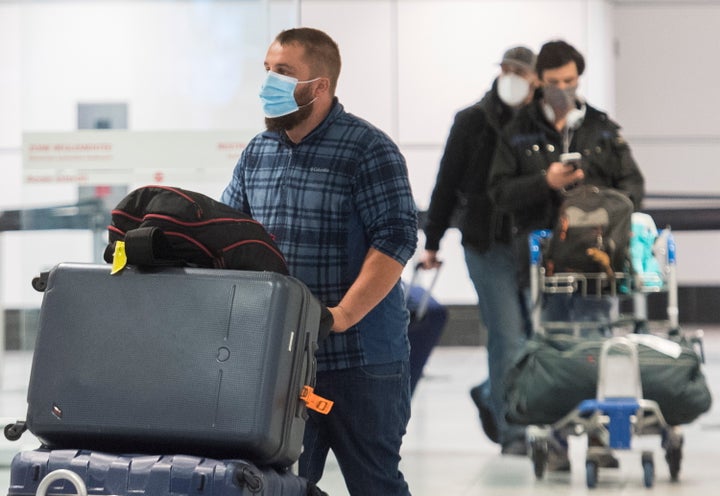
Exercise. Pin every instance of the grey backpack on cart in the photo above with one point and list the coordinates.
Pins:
(592, 232)
(211, 362)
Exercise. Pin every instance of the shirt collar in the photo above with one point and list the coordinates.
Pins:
(336, 110)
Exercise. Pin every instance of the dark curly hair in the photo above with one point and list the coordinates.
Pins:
(558, 53)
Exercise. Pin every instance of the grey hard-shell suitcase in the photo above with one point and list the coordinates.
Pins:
(174, 360)
(70, 472)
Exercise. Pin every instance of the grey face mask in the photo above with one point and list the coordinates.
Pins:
(556, 103)
(571, 93)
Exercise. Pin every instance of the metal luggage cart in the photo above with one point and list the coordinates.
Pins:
(595, 285)
(619, 410)
(618, 413)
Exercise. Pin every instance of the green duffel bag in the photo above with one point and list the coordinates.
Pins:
(554, 373)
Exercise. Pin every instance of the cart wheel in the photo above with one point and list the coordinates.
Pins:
(591, 473)
(673, 455)
(648, 469)
(539, 454)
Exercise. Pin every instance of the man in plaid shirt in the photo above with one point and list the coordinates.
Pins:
(334, 192)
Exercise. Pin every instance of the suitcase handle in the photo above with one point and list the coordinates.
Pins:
(310, 349)
(59, 474)
(307, 394)
(425, 298)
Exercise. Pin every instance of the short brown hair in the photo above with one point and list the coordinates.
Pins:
(321, 52)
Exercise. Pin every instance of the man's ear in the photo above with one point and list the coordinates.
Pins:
(322, 87)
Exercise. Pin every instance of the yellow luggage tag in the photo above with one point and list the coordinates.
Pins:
(119, 258)
(315, 402)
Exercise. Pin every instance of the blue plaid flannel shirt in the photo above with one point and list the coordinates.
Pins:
(326, 200)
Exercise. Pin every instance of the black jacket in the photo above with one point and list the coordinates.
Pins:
(462, 179)
(529, 145)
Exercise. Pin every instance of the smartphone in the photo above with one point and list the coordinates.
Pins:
(573, 159)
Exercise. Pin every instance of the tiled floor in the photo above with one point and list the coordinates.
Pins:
(445, 452)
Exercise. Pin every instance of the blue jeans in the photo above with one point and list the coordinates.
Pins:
(364, 428)
(494, 276)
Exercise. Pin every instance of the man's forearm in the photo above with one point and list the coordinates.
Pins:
(378, 275)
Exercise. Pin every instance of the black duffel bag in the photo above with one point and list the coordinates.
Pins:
(554, 373)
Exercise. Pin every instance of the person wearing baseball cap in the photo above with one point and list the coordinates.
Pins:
(461, 184)
(520, 57)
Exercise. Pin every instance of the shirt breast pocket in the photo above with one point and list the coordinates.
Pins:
(320, 189)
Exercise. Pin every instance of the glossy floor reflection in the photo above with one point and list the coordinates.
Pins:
(446, 453)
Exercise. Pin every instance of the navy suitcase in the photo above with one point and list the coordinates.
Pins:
(173, 360)
(427, 323)
(69, 472)
(424, 331)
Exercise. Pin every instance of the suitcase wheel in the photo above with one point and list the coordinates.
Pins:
(14, 431)
(245, 476)
(39, 283)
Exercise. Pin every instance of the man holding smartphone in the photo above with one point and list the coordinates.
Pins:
(554, 143)
(573, 159)
(527, 176)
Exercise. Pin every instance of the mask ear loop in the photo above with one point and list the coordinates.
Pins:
(310, 80)
(306, 104)
(313, 100)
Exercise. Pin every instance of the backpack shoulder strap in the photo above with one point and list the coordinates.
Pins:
(146, 246)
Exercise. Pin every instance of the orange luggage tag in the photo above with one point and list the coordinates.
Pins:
(315, 402)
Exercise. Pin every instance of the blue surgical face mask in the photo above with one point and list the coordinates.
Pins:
(277, 94)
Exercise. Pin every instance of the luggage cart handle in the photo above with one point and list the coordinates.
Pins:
(59, 474)
(535, 241)
(671, 249)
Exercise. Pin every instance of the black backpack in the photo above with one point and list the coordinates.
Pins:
(592, 233)
(162, 225)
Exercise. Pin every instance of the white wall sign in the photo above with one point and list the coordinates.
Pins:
(122, 157)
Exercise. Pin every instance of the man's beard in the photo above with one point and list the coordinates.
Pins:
(288, 122)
